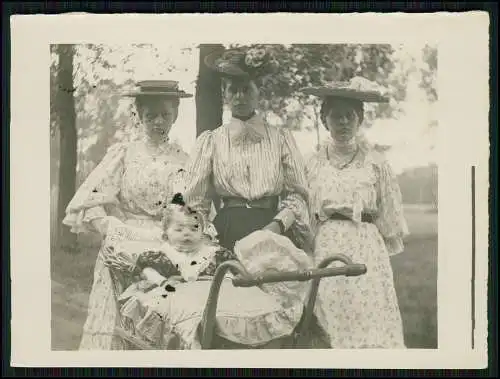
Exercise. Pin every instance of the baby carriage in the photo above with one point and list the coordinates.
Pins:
(303, 335)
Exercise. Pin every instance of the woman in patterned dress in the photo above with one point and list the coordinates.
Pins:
(128, 188)
(255, 169)
(356, 210)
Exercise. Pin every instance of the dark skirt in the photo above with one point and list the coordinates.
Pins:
(233, 224)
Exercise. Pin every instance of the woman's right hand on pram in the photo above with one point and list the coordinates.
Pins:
(118, 260)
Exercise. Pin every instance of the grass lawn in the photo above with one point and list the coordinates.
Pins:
(415, 276)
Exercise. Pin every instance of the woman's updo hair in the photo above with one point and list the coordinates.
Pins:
(227, 81)
(329, 102)
(177, 204)
(144, 101)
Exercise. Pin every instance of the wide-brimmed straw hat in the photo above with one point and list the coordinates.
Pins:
(162, 88)
(242, 63)
(358, 88)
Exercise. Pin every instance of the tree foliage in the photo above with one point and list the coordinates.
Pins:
(429, 72)
(102, 72)
(302, 65)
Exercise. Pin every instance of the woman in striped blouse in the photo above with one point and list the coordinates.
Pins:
(256, 170)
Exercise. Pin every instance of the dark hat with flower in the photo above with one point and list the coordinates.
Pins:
(164, 88)
(242, 62)
(358, 88)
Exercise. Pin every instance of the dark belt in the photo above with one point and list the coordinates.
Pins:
(270, 202)
(365, 217)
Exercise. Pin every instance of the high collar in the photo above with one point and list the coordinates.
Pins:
(253, 129)
(245, 118)
(156, 145)
(343, 148)
(144, 136)
(256, 117)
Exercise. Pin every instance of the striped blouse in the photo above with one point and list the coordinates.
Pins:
(250, 160)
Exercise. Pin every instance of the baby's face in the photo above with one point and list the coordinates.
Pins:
(184, 230)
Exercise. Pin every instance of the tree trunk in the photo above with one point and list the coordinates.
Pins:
(54, 180)
(209, 105)
(434, 185)
(208, 93)
(66, 119)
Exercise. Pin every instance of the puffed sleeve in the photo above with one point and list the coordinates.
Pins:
(390, 218)
(99, 189)
(294, 207)
(197, 179)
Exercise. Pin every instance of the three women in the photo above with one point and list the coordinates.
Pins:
(345, 200)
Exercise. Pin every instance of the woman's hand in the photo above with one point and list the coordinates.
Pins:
(118, 261)
(273, 226)
(346, 211)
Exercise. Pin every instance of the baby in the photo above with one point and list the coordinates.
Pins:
(186, 252)
(185, 255)
(168, 303)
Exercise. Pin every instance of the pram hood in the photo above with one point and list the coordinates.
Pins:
(264, 251)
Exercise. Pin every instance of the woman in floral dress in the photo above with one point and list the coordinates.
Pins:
(356, 210)
(123, 198)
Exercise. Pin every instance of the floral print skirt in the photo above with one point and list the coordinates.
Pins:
(102, 313)
(99, 328)
(363, 311)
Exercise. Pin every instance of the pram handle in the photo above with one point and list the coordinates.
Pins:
(244, 279)
(301, 276)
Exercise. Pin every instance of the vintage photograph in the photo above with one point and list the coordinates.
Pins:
(243, 196)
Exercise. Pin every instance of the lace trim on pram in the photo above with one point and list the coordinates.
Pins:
(266, 323)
